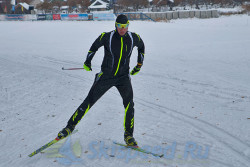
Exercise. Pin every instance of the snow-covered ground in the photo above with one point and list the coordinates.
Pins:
(192, 96)
(237, 9)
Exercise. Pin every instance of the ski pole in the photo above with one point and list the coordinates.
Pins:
(72, 68)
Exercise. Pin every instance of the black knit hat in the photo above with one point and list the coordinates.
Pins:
(122, 19)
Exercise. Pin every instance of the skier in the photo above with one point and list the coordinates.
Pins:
(118, 45)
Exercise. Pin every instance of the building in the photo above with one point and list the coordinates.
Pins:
(23, 8)
(64, 9)
(99, 5)
(35, 2)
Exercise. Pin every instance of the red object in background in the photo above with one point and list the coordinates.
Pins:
(56, 17)
(5, 9)
(73, 15)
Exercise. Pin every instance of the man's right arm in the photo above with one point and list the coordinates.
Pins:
(95, 46)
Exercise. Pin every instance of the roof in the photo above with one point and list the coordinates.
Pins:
(98, 4)
(25, 5)
(64, 7)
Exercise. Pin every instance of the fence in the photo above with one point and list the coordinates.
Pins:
(136, 16)
(183, 14)
(102, 16)
(32, 17)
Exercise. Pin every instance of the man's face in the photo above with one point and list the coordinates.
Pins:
(122, 28)
(122, 31)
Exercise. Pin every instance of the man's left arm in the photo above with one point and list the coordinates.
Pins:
(141, 52)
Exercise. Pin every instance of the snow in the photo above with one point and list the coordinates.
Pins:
(94, 6)
(64, 7)
(13, 2)
(236, 9)
(192, 92)
(25, 5)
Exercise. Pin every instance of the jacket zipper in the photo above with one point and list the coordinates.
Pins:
(120, 56)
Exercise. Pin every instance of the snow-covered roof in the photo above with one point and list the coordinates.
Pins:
(98, 4)
(25, 5)
(64, 7)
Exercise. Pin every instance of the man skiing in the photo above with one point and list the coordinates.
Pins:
(118, 45)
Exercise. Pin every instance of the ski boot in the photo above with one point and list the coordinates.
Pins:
(130, 140)
(65, 131)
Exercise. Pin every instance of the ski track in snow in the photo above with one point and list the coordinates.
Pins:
(220, 135)
(210, 130)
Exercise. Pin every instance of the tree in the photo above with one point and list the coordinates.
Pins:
(58, 3)
(125, 4)
(177, 2)
(158, 4)
(139, 4)
(84, 4)
(46, 6)
(22, 1)
(5, 6)
(135, 4)
(72, 4)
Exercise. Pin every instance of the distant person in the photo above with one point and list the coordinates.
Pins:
(118, 45)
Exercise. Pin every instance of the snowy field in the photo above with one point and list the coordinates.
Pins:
(192, 96)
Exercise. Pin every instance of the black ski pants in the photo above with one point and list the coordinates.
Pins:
(101, 85)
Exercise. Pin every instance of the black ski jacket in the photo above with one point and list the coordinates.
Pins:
(117, 51)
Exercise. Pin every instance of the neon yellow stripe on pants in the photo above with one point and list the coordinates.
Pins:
(126, 110)
(82, 116)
